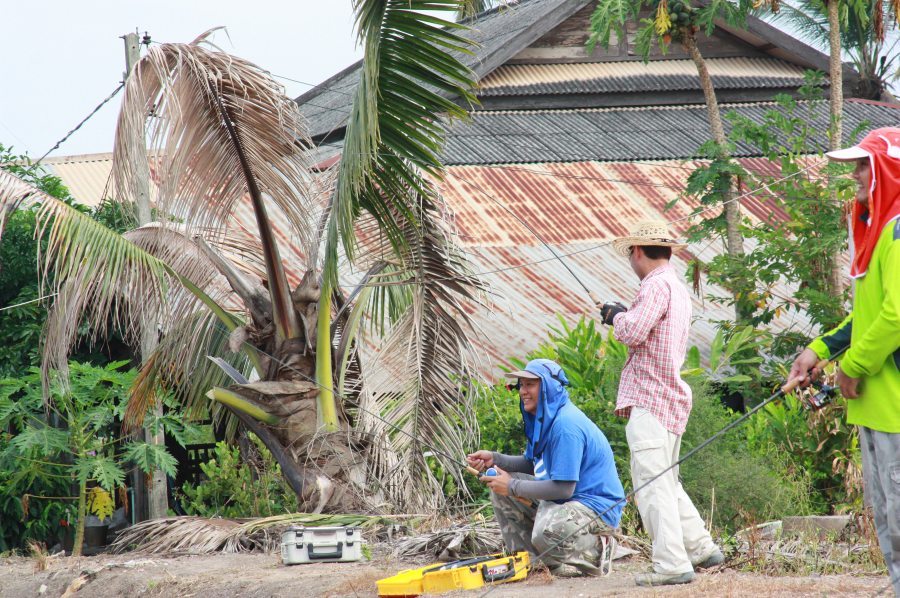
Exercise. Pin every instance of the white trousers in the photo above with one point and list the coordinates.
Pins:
(675, 527)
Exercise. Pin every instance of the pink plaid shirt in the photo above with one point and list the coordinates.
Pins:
(655, 329)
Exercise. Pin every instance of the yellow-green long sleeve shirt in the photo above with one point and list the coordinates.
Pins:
(873, 331)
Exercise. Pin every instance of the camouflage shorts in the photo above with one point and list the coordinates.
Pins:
(567, 533)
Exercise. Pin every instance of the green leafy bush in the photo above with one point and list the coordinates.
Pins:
(743, 484)
(799, 250)
(816, 444)
(234, 488)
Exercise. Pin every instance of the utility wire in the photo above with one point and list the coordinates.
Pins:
(79, 125)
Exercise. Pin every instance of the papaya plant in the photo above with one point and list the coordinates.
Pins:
(75, 437)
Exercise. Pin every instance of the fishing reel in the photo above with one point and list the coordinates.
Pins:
(824, 395)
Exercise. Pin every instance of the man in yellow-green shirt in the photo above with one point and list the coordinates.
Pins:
(869, 372)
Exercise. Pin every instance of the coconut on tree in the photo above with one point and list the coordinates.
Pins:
(664, 22)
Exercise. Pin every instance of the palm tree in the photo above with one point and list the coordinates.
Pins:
(678, 21)
(348, 426)
(846, 25)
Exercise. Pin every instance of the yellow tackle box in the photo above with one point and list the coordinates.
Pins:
(466, 574)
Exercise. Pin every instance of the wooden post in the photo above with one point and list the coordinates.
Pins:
(157, 495)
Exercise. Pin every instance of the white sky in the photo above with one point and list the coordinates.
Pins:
(60, 58)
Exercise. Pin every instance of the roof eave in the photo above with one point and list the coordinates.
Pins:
(792, 48)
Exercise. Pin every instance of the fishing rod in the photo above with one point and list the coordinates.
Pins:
(784, 390)
(593, 296)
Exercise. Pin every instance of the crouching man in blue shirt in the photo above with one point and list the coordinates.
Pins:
(567, 472)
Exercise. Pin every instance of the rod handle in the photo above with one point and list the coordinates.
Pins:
(793, 384)
(597, 300)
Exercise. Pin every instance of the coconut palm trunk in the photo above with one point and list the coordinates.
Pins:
(734, 241)
(833, 268)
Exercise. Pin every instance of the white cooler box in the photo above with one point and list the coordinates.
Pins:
(321, 545)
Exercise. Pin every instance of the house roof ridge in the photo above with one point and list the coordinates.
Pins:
(628, 108)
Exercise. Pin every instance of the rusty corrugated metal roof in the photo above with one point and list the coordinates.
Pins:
(575, 207)
(658, 75)
(578, 208)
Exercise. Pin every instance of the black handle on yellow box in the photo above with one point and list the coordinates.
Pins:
(492, 577)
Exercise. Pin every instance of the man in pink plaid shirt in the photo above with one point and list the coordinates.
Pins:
(657, 403)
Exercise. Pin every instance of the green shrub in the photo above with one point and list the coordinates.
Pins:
(747, 486)
(233, 488)
(79, 442)
(817, 444)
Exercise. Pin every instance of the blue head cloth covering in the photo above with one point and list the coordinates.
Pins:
(553, 396)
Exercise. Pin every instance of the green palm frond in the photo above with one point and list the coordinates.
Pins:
(111, 279)
(410, 75)
(809, 18)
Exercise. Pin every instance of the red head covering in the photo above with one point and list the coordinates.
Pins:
(882, 147)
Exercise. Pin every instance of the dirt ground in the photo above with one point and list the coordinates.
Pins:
(228, 575)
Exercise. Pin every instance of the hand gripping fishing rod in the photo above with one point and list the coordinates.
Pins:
(787, 388)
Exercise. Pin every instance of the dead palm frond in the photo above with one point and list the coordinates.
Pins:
(419, 384)
(455, 542)
(220, 128)
(200, 535)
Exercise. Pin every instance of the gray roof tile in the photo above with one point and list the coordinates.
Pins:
(622, 134)
(498, 33)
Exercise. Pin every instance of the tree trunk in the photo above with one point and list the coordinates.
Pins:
(325, 467)
(734, 241)
(80, 515)
(835, 281)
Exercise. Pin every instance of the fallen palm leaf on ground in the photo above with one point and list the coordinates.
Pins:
(455, 542)
(477, 539)
(199, 535)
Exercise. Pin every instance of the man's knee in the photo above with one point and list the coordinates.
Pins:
(540, 540)
(562, 525)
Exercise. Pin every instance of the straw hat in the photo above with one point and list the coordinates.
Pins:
(647, 233)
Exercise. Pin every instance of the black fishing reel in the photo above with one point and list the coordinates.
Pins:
(825, 395)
